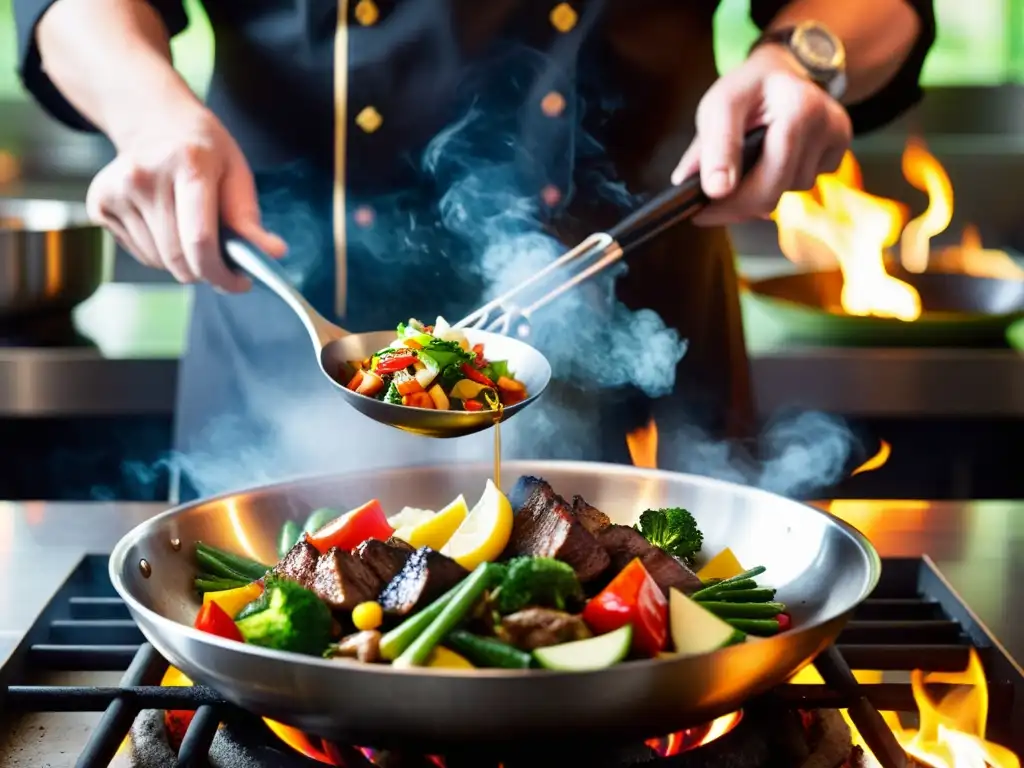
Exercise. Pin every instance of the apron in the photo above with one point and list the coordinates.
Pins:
(495, 189)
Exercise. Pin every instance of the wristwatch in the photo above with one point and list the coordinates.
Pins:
(817, 50)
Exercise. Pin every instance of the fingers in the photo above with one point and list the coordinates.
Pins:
(240, 209)
(807, 135)
(721, 120)
(689, 164)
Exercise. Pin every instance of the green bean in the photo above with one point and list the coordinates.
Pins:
(727, 583)
(242, 566)
(470, 590)
(744, 610)
(487, 652)
(288, 538)
(758, 627)
(318, 518)
(212, 565)
(206, 583)
(398, 639)
(760, 595)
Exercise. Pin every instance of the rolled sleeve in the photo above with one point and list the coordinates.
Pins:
(901, 93)
(27, 14)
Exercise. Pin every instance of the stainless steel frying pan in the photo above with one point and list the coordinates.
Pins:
(822, 567)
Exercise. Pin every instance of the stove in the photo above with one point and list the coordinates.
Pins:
(84, 689)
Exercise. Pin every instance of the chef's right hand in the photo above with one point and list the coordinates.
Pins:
(164, 195)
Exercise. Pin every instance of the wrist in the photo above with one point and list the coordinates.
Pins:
(162, 101)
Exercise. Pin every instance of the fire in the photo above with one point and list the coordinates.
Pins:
(839, 225)
(300, 742)
(875, 462)
(692, 738)
(643, 446)
(926, 173)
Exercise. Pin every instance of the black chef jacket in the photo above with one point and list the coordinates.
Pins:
(579, 105)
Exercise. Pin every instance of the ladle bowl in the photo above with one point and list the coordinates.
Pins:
(337, 350)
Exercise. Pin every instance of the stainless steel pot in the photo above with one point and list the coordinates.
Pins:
(52, 258)
(822, 567)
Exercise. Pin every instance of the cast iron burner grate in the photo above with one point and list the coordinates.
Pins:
(914, 619)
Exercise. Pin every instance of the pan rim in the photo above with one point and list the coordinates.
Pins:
(118, 561)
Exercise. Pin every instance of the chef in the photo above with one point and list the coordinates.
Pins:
(405, 157)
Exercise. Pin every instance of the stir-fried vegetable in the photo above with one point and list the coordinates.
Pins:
(214, 620)
(434, 367)
(293, 619)
(632, 597)
(488, 652)
(232, 601)
(220, 570)
(352, 529)
(538, 581)
(672, 529)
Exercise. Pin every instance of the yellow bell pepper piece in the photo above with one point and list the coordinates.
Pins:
(724, 565)
(234, 600)
(443, 658)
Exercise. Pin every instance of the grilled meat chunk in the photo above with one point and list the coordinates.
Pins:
(401, 544)
(545, 526)
(425, 576)
(385, 560)
(540, 627)
(299, 565)
(624, 543)
(591, 518)
(364, 646)
(343, 581)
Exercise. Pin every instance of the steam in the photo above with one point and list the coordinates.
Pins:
(472, 225)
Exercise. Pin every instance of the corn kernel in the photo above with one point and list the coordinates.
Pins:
(367, 615)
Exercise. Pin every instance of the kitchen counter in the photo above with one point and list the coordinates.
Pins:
(978, 547)
(134, 334)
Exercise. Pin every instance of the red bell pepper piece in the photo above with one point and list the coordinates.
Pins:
(215, 620)
(632, 597)
(785, 621)
(353, 528)
(473, 374)
(472, 405)
(478, 350)
(394, 364)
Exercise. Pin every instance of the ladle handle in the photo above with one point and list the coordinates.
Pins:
(678, 203)
(240, 253)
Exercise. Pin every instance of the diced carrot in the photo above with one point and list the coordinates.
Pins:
(408, 386)
(418, 400)
(508, 397)
(370, 385)
(412, 344)
(356, 380)
(510, 385)
(472, 405)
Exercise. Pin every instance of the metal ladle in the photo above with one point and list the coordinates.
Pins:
(489, 325)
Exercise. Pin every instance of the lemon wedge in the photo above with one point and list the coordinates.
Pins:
(406, 520)
(724, 565)
(484, 533)
(442, 658)
(435, 530)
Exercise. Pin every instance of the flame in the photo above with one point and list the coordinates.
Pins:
(951, 732)
(692, 738)
(926, 173)
(643, 446)
(970, 257)
(300, 742)
(875, 462)
(839, 221)
(839, 225)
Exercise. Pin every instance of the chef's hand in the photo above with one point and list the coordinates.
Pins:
(175, 178)
(808, 133)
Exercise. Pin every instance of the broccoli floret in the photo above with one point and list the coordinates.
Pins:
(672, 529)
(537, 581)
(393, 395)
(294, 619)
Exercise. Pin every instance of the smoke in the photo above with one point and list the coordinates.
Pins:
(471, 224)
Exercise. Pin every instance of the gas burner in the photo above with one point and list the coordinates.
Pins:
(913, 620)
(45, 331)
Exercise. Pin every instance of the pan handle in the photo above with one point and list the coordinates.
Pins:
(678, 203)
(241, 254)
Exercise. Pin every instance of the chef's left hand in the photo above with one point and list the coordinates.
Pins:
(808, 133)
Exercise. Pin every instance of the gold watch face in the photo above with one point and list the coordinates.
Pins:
(817, 47)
